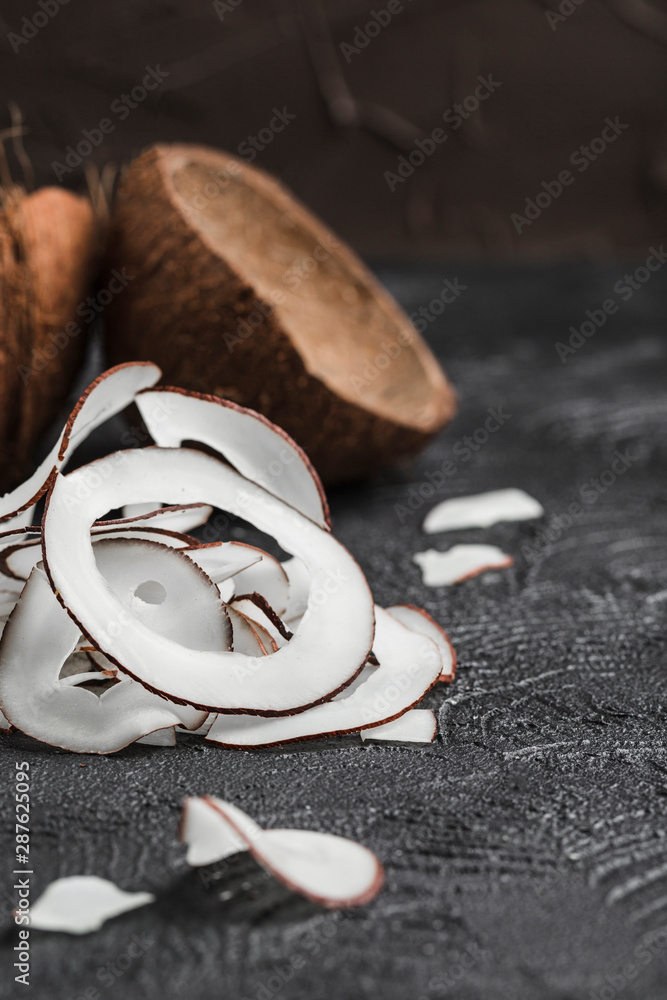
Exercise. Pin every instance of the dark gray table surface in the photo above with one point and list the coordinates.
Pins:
(525, 850)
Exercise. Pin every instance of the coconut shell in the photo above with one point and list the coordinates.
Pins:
(240, 292)
(48, 244)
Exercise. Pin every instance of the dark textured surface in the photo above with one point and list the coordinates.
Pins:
(525, 850)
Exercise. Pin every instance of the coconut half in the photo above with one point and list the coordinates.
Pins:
(332, 871)
(239, 291)
(79, 904)
(215, 681)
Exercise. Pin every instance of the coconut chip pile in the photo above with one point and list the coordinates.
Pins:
(129, 629)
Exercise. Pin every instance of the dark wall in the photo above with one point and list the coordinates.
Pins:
(364, 96)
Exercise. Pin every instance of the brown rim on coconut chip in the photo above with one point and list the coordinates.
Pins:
(50, 244)
(420, 621)
(258, 449)
(18, 561)
(283, 683)
(246, 636)
(37, 640)
(183, 518)
(241, 292)
(106, 396)
(409, 667)
(329, 870)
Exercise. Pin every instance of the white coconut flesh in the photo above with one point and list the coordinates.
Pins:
(420, 621)
(416, 726)
(223, 560)
(329, 870)
(460, 563)
(216, 681)
(79, 904)
(482, 511)
(183, 518)
(107, 396)
(409, 666)
(258, 449)
(36, 642)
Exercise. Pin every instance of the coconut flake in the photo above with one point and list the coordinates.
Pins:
(80, 904)
(459, 563)
(409, 666)
(261, 451)
(482, 510)
(162, 738)
(420, 621)
(416, 726)
(329, 870)
(213, 681)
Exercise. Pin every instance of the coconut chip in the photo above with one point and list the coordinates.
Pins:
(482, 510)
(329, 870)
(80, 904)
(417, 726)
(459, 563)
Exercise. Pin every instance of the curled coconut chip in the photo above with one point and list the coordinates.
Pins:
(482, 511)
(80, 904)
(329, 870)
(460, 563)
(214, 681)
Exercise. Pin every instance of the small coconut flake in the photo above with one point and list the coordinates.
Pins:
(461, 562)
(417, 726)
(80, 904)
(420, 621)
(162, 738)
(329, 870)
(482, 510)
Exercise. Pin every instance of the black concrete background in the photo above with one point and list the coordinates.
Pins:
(525, 849)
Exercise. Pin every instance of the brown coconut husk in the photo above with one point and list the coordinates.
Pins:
(240, 292)
(48, 247)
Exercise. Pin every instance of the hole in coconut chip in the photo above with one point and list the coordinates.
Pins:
(151, 592)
